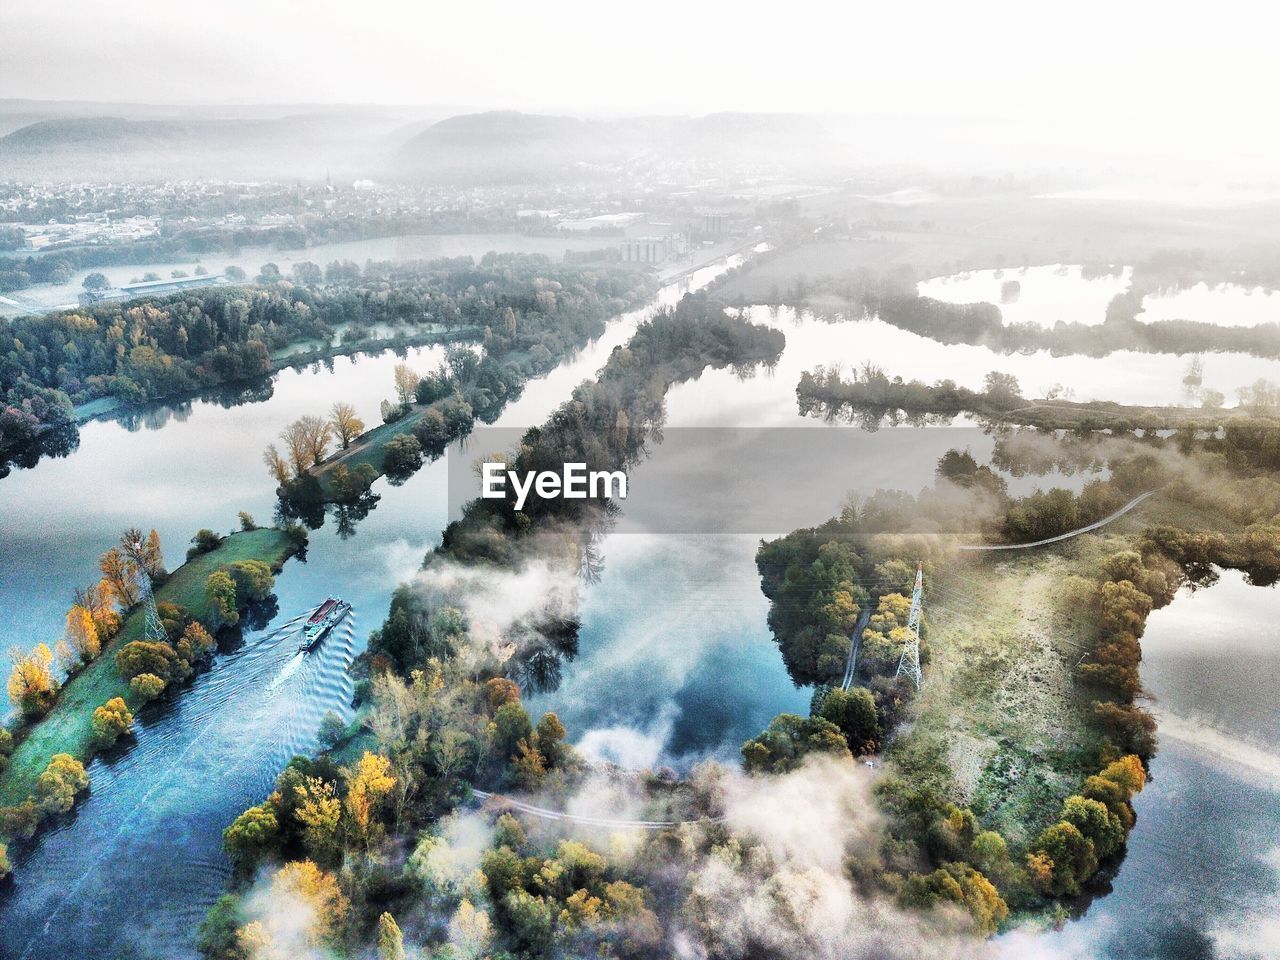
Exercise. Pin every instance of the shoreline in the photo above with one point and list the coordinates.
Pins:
(66, 728)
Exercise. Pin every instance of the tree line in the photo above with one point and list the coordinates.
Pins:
(165, 346)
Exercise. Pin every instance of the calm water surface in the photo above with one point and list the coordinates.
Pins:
(133, 872)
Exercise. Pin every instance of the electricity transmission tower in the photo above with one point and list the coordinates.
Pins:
(153, 630)
(909, 662)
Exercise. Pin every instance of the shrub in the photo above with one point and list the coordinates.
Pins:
(147, 686)
(854, 712)
(203, 542)
(20, 821)
(110, 722)
(403, 455)
(253, 580)
(788, 739)
(62, 780)
(141, 656)
(220, 598)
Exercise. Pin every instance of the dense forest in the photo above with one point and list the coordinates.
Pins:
(171, 345)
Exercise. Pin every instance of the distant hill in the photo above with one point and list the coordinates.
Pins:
(510, 146)
(201, 141)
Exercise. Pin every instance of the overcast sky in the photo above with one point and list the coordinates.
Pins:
(1176, 73)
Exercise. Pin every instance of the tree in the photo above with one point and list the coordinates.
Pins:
(306, 442)
(390, 939)
(252, 836)
(1094, 821)
(1002, 388)
(247, 523)
(788, 740)
(141, 656)
(20, 821)
(5, 867)
(406, 383)
(99, 600)
(147, 686)
(220, 599)
(203, 542)
(320, 892)
(195, 644)
(319, 811)
(119, 572)
(471, 931)
(307, 273)
(529, 765)
(550, 735)
(367, 785)
(82, 634)
(110, 722)
(961, 884)
(32, 687)
(854, 712)
(500, 690)
(277, 464)
(62, 780)
(235, 274)
(1069, 856)
(143, 551)
(219, 931)
(254, 580)
(402, 455)
(511, 724)
(346, 425)
(95, 281)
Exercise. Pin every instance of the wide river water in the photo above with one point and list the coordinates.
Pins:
(141, 860)
(675, 661)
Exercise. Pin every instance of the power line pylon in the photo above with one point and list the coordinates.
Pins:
(909, 662)
(153, 630)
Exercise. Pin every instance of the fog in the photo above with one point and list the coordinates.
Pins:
(1129, 88)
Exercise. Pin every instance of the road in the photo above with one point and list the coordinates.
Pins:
(1062, 536)
(855, 644)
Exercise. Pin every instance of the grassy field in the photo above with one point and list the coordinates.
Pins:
(1000, 692)
(67, 727)
(370, 447)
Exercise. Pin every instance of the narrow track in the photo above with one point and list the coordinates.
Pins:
(560, 816)
(987, 547)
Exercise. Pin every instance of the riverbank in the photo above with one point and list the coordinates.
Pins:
(67, 728)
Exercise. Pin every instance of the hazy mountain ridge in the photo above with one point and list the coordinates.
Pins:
(289, 141)
(508, 145)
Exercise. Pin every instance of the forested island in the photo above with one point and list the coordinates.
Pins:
(171, 346)
(1013, 782)
(891, 297)
(870, 397)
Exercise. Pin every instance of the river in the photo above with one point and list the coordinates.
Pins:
(675, 661)
(141, 860)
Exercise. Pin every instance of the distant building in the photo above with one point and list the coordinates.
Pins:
(603, 221)
(150, 288)
(716, 224)
(645, 250)
(654, 243)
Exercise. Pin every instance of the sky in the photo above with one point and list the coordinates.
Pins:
(1171, 75)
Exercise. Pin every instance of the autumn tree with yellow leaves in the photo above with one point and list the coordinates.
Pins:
(345, 424)
(32, 686)
(368, 783)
